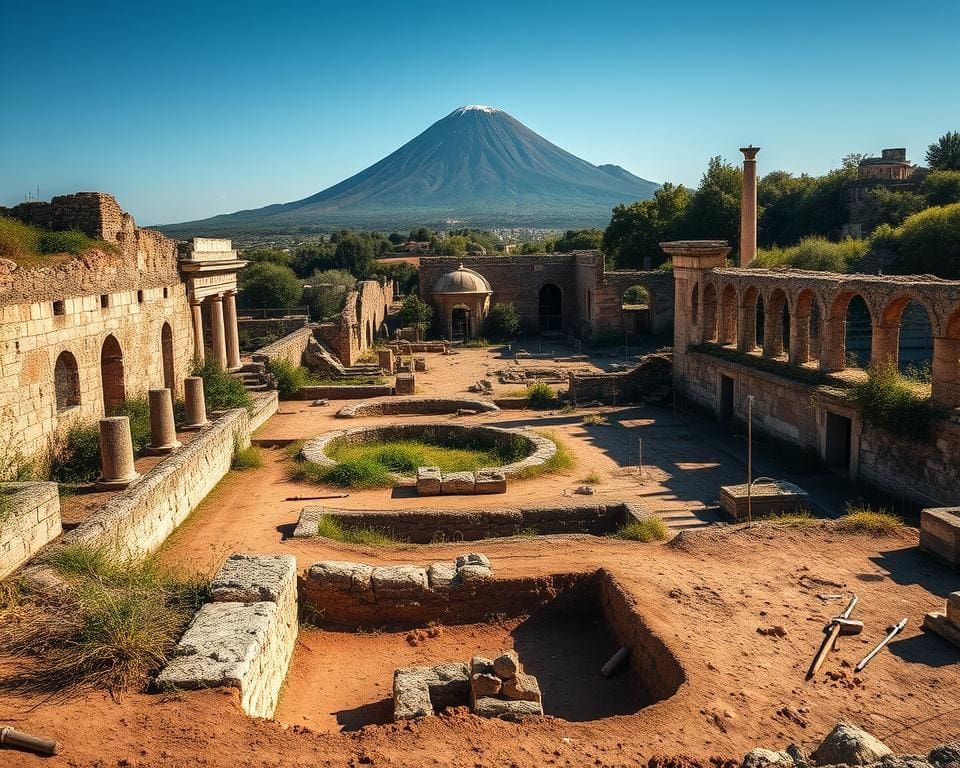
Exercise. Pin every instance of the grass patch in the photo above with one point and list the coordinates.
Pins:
(801, 518)
(476, 344)
(28, 245)
(861, 518)
(243, 459)
(561, 461)
(648, 529)
(594, 420)
(290, 378)
(541, 395)
(894, 403)
(404, 456)
(114, 626)
(329, 528)
(220, 389)
(75, 457)
(593, 478)
(362, 474)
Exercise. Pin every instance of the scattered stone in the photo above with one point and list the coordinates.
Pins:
(776, 631)
(473, 572)
(485, 685)
(946, 755)
(411, 693)
(481, 666)
(850, 745)
(441, 575)
(321, 401)
(472, 558)
(761, 758)
(506, 709)
(522, 687)
(584, 490)
(506, 665)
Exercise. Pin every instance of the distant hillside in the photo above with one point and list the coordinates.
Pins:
(478, 166)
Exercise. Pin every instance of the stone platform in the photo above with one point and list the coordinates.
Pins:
(940, 533)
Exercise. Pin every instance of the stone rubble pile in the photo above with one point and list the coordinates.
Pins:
(850, 745)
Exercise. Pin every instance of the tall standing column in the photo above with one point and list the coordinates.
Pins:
(748, 206)
(197, 313)
(233, 333)
(218, 337)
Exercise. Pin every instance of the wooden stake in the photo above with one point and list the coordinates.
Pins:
(830, 640)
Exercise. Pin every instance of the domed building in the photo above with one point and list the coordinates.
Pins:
(462, 300)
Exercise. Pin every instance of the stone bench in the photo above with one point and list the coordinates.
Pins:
(940, 533)
(457, 483)
(244, 639)
(765, 498)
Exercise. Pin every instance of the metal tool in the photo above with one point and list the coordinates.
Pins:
(828, 642)
(10, 737)
(892, 633)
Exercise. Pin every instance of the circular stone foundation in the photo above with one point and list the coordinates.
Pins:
(414, 406)
(539, 449)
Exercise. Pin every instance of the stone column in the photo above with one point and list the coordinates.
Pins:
(799, 339)
(833, 345)
(885, 343)
(196, 312)
(748, 206)
(747, 342)
(218, 337)
(728, 323)
(163, 432)
(945, 382)
(194, 404)
(232, 331)
(117, 469)
(772, 331)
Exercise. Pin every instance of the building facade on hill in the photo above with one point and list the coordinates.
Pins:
(890, 171)
(564, 293)
(81, 335)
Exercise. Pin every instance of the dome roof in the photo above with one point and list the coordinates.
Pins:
(462, 280)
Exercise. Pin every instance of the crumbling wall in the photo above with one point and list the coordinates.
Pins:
(30, 519)
(360, 323)
(290, 348)
(648, 381)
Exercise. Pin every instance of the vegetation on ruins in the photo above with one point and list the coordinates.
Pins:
(594, 420)
(404, 456)
(290, 378)
(137, 410)
(815, 253)
(540, 395)
(862, 518)
(895, 403)
(330, 528)
(245, 458)
(266, 284)
(561, 461)
(113, 626)
(645, 530)
(220, 389)
(503, 321)
(327, 292)
(25, 243)
(75, 455)
(415, 313)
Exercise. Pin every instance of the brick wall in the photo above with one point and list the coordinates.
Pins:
(30, 520)
(360, 322)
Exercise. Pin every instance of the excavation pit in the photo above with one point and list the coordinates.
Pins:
(563, 628)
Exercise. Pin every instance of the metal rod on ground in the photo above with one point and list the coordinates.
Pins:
(828, 642)
(615, 661)
(894, 631)
(19, 740)
(316, 498)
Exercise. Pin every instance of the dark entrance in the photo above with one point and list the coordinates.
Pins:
(550, 307)
(726, 398)
(111, 375)
(837, 451)
(460, 324)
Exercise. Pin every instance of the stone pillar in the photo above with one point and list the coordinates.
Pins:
(747, 342)
(196, 312)
(163, 432)
(385, 360)
(945, 382)
(885, 343)
(218, 337)
(728, 323)
(194, 404)
(117, 469)
(799, 339)
(232, 331)
(772, 331)
(748, 206)
(833, 345)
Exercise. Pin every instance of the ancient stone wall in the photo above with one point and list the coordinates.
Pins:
(265, 331)
(290, 348)
(648, 381)
(360, 322)
(29, 520)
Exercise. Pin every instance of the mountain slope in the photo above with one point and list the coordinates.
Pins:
(477, 166)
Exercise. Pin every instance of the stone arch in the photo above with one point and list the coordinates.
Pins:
(750, 307)
(550, 307)
(903, 334)
(728, 314)
(709, 313)
(166, 354)
(66, 381)
(111, 374)
(776, 323)
(848, 332)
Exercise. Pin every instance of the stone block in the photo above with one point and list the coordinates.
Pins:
(490, 481)
(473, 573)
(411, 693)
(441, 575)
(256, 578)
(506, 665)
(429, 481)
(419, 364)
(406, 384)
(399, 581)
(522, 687)
(472, 558)
(484, 684)
(940, 533)
(953, 608)
(481, 666)
(506, 709)
(457, 483)
(354, 578)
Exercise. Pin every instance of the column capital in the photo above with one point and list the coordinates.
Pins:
(750, 153)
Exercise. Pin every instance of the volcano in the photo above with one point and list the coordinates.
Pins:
(478, 166)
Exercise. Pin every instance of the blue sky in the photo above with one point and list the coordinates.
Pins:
(185, 110)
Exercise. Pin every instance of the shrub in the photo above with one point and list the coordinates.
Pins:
(594, 420)
(647, 529)
(593, 478)
(18, 240)
(290, 378)
(503, 321)
(816, 253)
(928, 242)
(357, 473)
(862, 518)
(245, 458)
(269, 285)
(893, 403)
(329, 528)
(71, 241)
(75, 458)
(541, 395)
(942, 187)
(220, 389)
(416, 314)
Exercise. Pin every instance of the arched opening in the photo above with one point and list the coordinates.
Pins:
(695, 304)
(66, 381)
(111, 374)
(550, 307)
(709, 313)
(858, 334)
(728, 315)
(635, 309)
(945, 380)
(776, 325)
(460, 323)
(906, 335)
(166, 352)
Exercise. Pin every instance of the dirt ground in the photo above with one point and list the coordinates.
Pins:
(714, 595)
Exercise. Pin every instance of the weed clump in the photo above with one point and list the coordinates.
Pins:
(541, 395)
(894, 403)
(245, 458)
(645, 530)
(290, 378)
(220, 389)
(330, 528)
(861, 518)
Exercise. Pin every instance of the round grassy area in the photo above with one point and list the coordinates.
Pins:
(404, 456)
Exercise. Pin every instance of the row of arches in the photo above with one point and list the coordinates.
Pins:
(832, 328)
(66, 373)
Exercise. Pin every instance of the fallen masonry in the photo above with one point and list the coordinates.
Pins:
(947, 624)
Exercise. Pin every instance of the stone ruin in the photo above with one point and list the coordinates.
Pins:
(499, 688)
(432, 482)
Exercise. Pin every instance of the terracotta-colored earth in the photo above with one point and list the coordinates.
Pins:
(712, 595)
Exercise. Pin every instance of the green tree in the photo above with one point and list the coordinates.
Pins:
(926, 243)
(267, 285)
(714, 209)
(455, 245)
(312, 257)
(633, 237)
(354, 253)
(580, 240)
(887, 206)
(941, 187)
(327, 292)
(415, 313)
(422, 235)
(406, 277)
(270, 255)
(503, 321)
(944, 153)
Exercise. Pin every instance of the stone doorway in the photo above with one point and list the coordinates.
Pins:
(550, 307)
(836, 454)
(111, 374)
(726, 398)
(460, 324)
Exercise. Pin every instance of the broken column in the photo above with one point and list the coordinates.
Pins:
(163, 431)
(748, 206)
(117, 469)
(195, 406)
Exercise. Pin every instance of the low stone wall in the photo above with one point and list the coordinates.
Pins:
(29, 520)
(540, 449)
(265, 404)
(289, 348)
(401, 406)
(940, 533)
(245, 638)
(137, 520)
(414, 347)
(649, 381)
(425, 526)
(344, 391)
